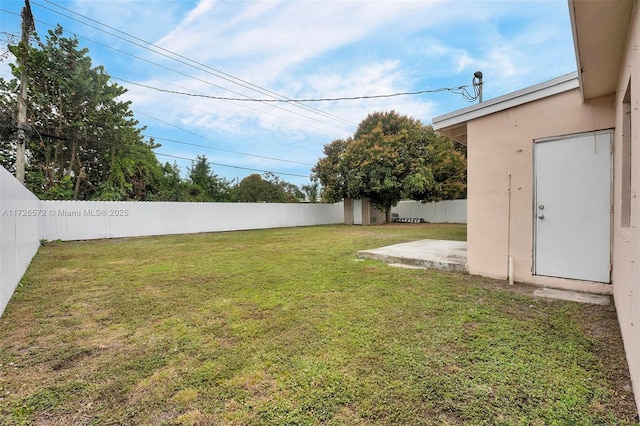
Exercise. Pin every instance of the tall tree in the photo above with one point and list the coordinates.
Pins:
(206, 185)
(391, 157)
(172, 186)
(85, 143)
(333, 171)
(311, 191)
(291, 193)
(448, 165)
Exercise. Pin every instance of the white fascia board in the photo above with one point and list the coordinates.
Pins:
(533, 93)
(576, 42)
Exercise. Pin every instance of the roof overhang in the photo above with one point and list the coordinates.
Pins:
(599, 33)
(599, 29)
(454, 124)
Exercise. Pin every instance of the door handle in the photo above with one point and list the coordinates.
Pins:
(540, 216)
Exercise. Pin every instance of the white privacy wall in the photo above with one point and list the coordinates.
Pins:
(452, 211)
(19, 233)
(86, 220)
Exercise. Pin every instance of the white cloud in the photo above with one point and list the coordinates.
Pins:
(262, 40)
(143, 19)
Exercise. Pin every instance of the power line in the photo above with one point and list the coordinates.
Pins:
(244, 105)
(460, 90)
(210, 70)
(205, 82)
(226, 150)
(171, 69)
(187, 75)
(234, 167)
(209, 140)
(456, 90)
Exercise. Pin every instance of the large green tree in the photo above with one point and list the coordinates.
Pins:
(84, 142)
(389, 158)
(270, 189)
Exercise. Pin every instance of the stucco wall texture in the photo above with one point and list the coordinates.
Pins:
(500, 181)
(626, 240)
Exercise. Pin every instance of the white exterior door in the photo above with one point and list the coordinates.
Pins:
(572, 210)
(357, 212)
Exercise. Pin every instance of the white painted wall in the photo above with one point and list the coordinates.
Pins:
(451, 211)
(19, 233)
(86, 220)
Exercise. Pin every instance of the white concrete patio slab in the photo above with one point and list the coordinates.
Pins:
(572, 296)
(429, 254)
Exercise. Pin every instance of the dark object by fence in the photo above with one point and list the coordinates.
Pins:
(408, 219)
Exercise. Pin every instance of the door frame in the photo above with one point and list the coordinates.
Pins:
(534, 194)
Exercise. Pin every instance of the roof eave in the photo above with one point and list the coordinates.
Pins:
(599, 31)
(453, 124)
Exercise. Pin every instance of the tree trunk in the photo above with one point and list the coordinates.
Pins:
(80, 176)
(72, 160)
(53, 165)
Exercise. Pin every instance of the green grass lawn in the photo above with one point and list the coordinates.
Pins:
(288, 326)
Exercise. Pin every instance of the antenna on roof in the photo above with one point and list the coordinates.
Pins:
(477, 84)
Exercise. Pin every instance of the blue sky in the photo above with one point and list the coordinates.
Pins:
(300, 49)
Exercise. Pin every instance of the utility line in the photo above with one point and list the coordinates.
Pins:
(244, 105)
(247, 98)
(192, 77)
(234, 167)
(210, 70)
(456, 90)
(459, 90)
(171, 69)
(226, 150)
(213, 85)
(209, 140)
